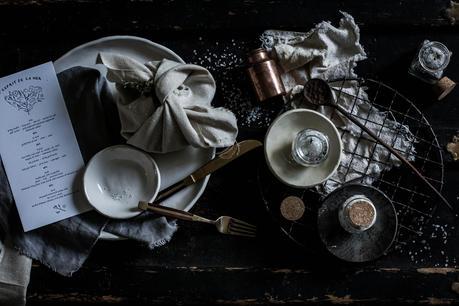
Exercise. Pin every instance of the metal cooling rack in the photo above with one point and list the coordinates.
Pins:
(414, 203)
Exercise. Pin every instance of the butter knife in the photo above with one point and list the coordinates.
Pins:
(222, 159)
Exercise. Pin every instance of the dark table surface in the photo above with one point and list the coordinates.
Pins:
(199, 265)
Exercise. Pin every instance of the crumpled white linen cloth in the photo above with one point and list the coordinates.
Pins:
(14, 276)
(331, 53)
(173, 109)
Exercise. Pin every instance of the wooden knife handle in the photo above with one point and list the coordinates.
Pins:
(173, 213)
(173, 189)
(167, 211)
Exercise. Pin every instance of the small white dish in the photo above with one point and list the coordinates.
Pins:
(278, 148)
(117, 178)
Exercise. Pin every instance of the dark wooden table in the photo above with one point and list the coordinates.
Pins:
(199, 265)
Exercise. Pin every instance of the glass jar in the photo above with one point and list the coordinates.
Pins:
(310, 148)
(430, 61)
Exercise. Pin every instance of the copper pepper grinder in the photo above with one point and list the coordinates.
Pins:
(264, 74)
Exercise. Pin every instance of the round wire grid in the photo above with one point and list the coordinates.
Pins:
(414, 202)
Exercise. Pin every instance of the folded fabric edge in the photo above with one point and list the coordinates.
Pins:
(164, 240)
(48, 265)
(268, 43)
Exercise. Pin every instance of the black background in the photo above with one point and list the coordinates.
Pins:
(199, 265)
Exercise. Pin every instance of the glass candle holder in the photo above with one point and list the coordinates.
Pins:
(310, 148)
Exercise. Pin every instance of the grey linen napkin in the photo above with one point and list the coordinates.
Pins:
(14, 268)
(65, 245)
(173, 109)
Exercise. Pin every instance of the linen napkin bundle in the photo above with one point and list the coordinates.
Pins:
(173, 109)
(331, 53)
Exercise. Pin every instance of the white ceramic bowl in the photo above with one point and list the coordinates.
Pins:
(278, 146)
(117, 178)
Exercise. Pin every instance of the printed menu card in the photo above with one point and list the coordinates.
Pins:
(38, 148)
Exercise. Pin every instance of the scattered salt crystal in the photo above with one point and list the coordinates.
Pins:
(226, 61)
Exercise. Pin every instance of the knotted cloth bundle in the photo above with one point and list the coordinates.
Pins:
(165, 106)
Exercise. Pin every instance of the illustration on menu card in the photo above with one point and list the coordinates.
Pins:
(25, 99)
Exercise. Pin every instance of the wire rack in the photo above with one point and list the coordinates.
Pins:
(415, 204)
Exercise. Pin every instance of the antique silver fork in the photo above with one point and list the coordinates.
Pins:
(224, 224)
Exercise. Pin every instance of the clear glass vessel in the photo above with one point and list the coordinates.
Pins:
(430, 61)
(310, 148)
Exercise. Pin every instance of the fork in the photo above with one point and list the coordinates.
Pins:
(224, 224)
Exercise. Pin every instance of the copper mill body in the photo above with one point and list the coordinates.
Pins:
(264, 74)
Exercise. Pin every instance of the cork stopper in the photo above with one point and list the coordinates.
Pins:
(357, 214)
(453, 147)
(443, 87)
(292, 208)
(361, 214)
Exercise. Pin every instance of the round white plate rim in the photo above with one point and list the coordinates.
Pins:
(304, 110)
(105, 235)
(100, 154)
(119, 37)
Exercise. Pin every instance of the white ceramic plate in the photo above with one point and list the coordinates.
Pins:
(172, 166)
(278, 144)
(117, 178)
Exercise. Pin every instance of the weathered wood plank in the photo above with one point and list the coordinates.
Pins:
(211, 15)
(199, 265)
(239, 285)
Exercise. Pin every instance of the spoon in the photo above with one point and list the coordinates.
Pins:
(319, 93)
